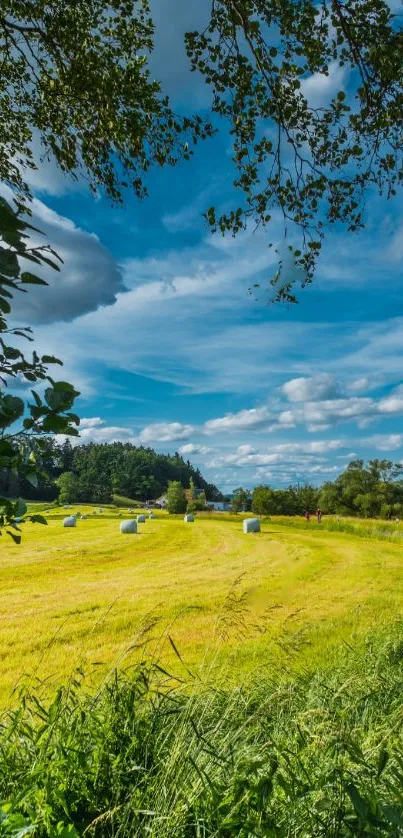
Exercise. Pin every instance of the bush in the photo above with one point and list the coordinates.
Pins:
(198, 505)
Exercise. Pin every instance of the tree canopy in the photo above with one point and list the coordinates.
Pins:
(313, 162)
(75, 77)
(75, 74)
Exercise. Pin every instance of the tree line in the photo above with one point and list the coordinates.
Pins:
(93, 473)
(369, 490)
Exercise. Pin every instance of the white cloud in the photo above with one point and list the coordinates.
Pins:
(95, 429)
(392, 403)
(94, 422)
(330, 412)
(190, 448)
(322, 386)
(165, 432)
(284, 455)
(243, 450)
(319, 88)
(108, 434)
(243, 420)
(359, 384)
(384, 442)
(308, 447)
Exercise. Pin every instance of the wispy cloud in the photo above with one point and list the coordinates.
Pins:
(165, 432)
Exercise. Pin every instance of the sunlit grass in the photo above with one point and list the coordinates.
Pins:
(70, 596)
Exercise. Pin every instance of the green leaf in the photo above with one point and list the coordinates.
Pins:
(55, 424)
(58, 399)
(382, 760)
(9, 263)
(38, 519)
(65, 387)
(360, 805)
(38, 400)
(4, 306)
(16, 538)
(30, 279)
(11, 409)
(10, 352)
(20, 507)
(50, 359)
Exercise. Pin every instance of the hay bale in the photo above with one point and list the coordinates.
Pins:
(70, 521)
(141, 519)
(152, 517)
(128, 527)
(84, 517)
(188, 519)
(251, 525)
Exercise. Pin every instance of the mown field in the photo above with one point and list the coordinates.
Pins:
(89, 596)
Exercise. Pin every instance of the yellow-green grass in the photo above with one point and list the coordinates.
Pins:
(82, 595)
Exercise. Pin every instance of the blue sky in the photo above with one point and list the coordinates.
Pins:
(153, 320)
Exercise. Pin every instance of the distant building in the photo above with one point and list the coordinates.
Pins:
(219, 506)
(161, 502)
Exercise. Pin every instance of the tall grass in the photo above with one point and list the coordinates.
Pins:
(371, 528)
(153, 754)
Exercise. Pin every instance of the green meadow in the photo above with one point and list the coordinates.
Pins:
(230, 603)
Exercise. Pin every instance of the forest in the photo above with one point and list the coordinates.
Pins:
(93, 473)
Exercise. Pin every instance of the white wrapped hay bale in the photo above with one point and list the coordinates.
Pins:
(251, 525)
(151, 516)
(188, 519)
(141, 519)
(70, 521)
(128, 527)
(83, 517)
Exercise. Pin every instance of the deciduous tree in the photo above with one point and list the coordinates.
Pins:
(176, 498)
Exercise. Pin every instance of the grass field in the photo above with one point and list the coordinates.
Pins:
(84, 596)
